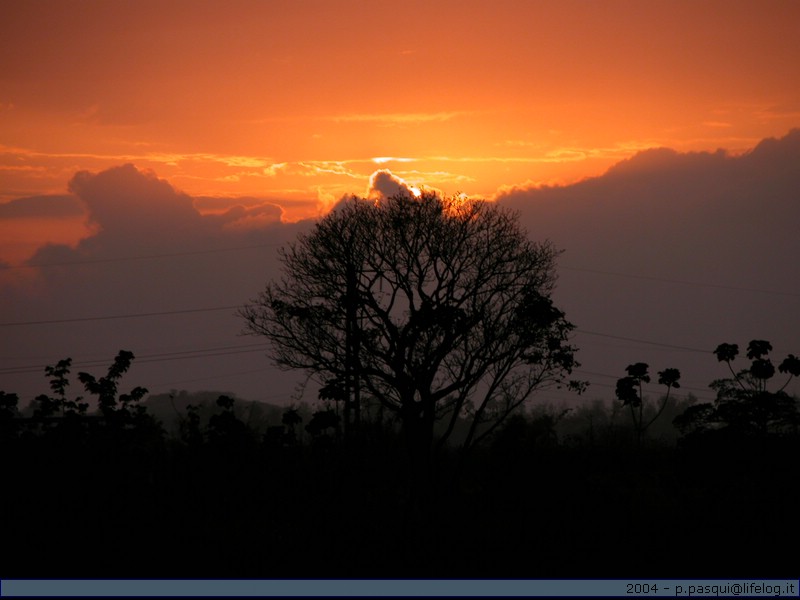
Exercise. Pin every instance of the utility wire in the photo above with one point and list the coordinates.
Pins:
(232, 307)
(273, 245)
(126, 316)
(94, 360)
(682, 282)
(596, 374)
(702, 398)
(148, 358)
(639, 341)
(95, 261)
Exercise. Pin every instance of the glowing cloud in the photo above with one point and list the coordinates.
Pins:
(399, 118)
(385, 184)
(385, 159)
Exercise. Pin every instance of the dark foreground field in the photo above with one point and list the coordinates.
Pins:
(86, 500)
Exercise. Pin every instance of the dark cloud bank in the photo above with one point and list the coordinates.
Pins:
(715, 221)
(42, 206)
(685, 250)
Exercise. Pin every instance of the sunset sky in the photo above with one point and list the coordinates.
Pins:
(282, 107)
(300, 101)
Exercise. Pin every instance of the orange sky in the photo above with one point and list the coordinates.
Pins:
(300, 101)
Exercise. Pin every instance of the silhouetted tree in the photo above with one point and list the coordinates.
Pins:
(8, 412)
(321, 421)
(189, 427)
(225, 429)
(521, 434)
(291, 418)
(436, 307)
(119, 409)
(8, 405)
(744, 405)
(58, 404)
(629, 392)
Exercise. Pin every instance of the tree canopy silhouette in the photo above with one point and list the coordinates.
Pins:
(744, 405)
(437, 308)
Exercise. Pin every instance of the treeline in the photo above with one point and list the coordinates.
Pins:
(553, 493)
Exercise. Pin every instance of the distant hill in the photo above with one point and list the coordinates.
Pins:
(171, 408)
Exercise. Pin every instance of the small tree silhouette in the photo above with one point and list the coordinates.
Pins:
(8, 413)
(225, 430)
(321, 421)
(291, 418)
(189, 427)
(629, 391)
(48, 406)
(122, 410)
(744, 406)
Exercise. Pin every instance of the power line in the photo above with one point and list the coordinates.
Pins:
(682, 282)
(94, 359)
(615, 345)
(149, 358)
(596, 374)
(125, 316)
(610, 386)
(273, 245)
(232, 307)
(639, 341)
(139, 257)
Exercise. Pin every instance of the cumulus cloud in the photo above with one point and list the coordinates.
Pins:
(385, 184)
(219, 204)
(123, 200)
(51, 207)
(708, 205)
(253, 217)
(226, 211)
(134, 213)
(125, 205)
(689, 249)
(151, 251)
